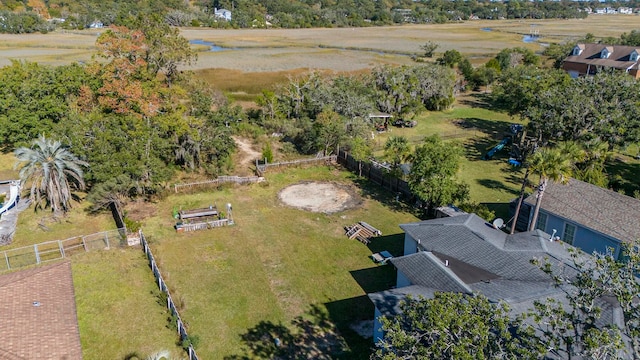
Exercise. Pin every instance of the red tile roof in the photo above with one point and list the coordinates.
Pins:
(39, 318)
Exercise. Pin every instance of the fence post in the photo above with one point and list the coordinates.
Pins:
(84, 245)
(61, 248)
(106, 239)
(35, 249)
(7, 259)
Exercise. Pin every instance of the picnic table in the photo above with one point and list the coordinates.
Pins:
(382, 257)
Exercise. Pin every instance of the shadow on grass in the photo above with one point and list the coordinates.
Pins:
(382, 195)
(624, 175)
(313, 335)
(500, 209)
(478, 100)
(495, 184)
(496, 128)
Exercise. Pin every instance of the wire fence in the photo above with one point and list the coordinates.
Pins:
(218, 181)
(182, 331)
(60, 249)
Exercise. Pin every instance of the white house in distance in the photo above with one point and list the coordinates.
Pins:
(223, 14)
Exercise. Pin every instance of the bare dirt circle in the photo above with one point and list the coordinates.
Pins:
(322, 197)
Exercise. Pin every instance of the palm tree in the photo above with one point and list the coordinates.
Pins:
(550, 164)
(397, 151)
(53, 171)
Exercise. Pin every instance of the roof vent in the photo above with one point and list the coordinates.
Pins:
(36, 304)
(446, 263)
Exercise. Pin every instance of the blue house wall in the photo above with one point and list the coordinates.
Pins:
(586, 239)
(410, 245)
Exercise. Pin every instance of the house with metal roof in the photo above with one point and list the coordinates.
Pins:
(465, 254)
(588, 59)
(586, 216)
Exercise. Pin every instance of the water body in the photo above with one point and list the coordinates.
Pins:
(486, 29)
(212, 46)
(530, 38)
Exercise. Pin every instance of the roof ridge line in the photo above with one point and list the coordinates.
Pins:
(448, 270)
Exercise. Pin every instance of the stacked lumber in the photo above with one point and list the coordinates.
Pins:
(362, 231)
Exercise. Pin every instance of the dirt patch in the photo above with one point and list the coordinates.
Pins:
(247, 152)
(322, 197)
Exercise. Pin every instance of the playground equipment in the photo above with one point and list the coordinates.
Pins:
(14, 195)
(497, 148)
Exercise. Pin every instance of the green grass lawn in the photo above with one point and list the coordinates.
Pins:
(276, 263)
(475, 128)
(36, 227)
(119, 311)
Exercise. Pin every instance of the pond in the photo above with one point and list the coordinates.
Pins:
(212, 46)
(530, 38)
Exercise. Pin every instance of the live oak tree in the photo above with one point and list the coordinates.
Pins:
(590, 284)
(432, 179)
(454, 326)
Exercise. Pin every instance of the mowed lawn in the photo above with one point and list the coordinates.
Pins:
(275, 262)
(119, 311)
(476, 130)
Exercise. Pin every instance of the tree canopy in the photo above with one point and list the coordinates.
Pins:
(434, 166)
(453, 326)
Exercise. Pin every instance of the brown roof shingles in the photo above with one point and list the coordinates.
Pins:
(38, 314)
(602, 210)
(619, 58)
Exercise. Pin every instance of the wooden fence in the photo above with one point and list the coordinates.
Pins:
(376, 173)
(182, 331)
(261, 168)
(203, 225)
(219, 181)
(60, 249)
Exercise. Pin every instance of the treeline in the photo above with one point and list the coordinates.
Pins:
(317, 114)
(37, 15)
(130, 115)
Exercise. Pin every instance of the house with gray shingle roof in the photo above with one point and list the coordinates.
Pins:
(465, 254)
(586, 216)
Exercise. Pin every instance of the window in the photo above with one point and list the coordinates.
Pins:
(542, 221)
(569, 233)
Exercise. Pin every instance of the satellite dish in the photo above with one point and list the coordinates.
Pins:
(498, 223)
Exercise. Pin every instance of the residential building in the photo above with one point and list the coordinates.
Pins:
(584, 215)
(39, 318)
(465, 254)
(588, 59)
(223, 14)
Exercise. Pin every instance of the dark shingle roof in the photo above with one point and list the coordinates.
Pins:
(39, 314)
(425, 269)
(593, 207)
(619, 58)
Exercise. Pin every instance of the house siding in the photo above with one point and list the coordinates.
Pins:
(377, 327)
(402, 281)
(585, 239)
(410, 245)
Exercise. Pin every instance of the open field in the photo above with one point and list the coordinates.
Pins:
(276, 262)
(339, 49)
